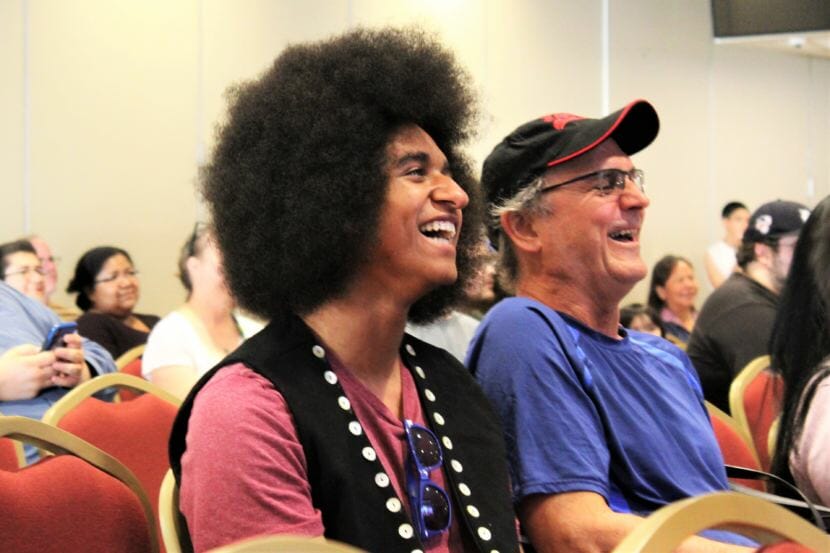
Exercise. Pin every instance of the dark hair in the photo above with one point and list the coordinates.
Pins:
(193, 247)
(87, 268)
(729, 208)
(634, 310)
(801, 333)
(298, 178)
(13, 247)
(659, 275)
(745, 254)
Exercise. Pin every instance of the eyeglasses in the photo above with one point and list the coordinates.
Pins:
(429, 502)
(25, 272)
(607, 181)
(129, 273)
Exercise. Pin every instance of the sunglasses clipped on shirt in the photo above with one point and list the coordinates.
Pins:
(430, 504)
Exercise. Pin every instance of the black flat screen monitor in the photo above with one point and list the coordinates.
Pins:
(732, 18)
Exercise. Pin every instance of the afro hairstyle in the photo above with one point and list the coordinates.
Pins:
(298, 178)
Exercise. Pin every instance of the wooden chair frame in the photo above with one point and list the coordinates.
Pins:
(57, 441)
(292, 544)
(111, 380)
(760, 520)
(130, 355)
(174, 531)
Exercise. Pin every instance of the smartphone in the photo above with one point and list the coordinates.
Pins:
(55, 337)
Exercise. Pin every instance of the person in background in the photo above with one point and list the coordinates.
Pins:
(108, 290)
(22, 270)
(50, 273)
(32, 380)
(480, 294)
(603, 426)
(196, 336)
(800, 349)
(339, 195)
(672, 294)
(637, 316)
(735, 322)
(719, 259)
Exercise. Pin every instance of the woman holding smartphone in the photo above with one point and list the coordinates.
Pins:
(342, 208)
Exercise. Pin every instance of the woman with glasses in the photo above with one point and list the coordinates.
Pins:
(341, 204)
(108, 290)
(22, 269)
(196, 336)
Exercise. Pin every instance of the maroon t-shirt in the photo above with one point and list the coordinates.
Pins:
(244, 472)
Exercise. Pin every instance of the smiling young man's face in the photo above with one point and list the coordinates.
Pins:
(589, 238)
(421, 217)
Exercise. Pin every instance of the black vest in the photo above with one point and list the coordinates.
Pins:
(348, 483)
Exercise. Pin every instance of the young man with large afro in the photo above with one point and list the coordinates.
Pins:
(337, 191)
(299, 175)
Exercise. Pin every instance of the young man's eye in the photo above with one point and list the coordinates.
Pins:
(416, 171)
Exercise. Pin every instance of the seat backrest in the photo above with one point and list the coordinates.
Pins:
(737, 393)
(135, 432)
(760, 520)
(11, 455)
(733, 445)
(133, 368)
(80, 500)
(762, 405)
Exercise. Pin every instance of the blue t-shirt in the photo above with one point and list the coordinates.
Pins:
(584, 412)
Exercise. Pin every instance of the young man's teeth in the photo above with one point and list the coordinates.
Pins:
(441, 230)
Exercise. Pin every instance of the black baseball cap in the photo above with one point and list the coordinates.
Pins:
(775, 219)
(548, 141)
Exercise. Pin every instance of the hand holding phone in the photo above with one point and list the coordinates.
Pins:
(55, 337)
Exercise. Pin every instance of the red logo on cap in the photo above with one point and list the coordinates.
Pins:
(559, 120)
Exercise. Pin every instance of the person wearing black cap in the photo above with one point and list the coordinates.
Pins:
(602, 424)
(734, 325)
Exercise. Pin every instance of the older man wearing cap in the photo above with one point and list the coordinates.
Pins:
(734, 325)
(602, 424)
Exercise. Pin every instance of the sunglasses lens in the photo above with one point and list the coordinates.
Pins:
(425, 447)
(435, 508)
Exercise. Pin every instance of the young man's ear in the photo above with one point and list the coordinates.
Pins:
(763, 253)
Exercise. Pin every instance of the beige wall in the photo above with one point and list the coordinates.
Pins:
(116, 101)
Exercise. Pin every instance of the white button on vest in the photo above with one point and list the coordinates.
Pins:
(464, 489)
(330, 377)
(494, 551)
(417, 551)
(393, 504)
(456, 466)
(484, 533)
(382, 480)
(410, 350)
(439, 419)
(344, 403)
(355, 428)
(405, 531)
(473, 511)
(420, 371)
(318, 352)
(447, 442)
(429, 395)
(369, 454)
